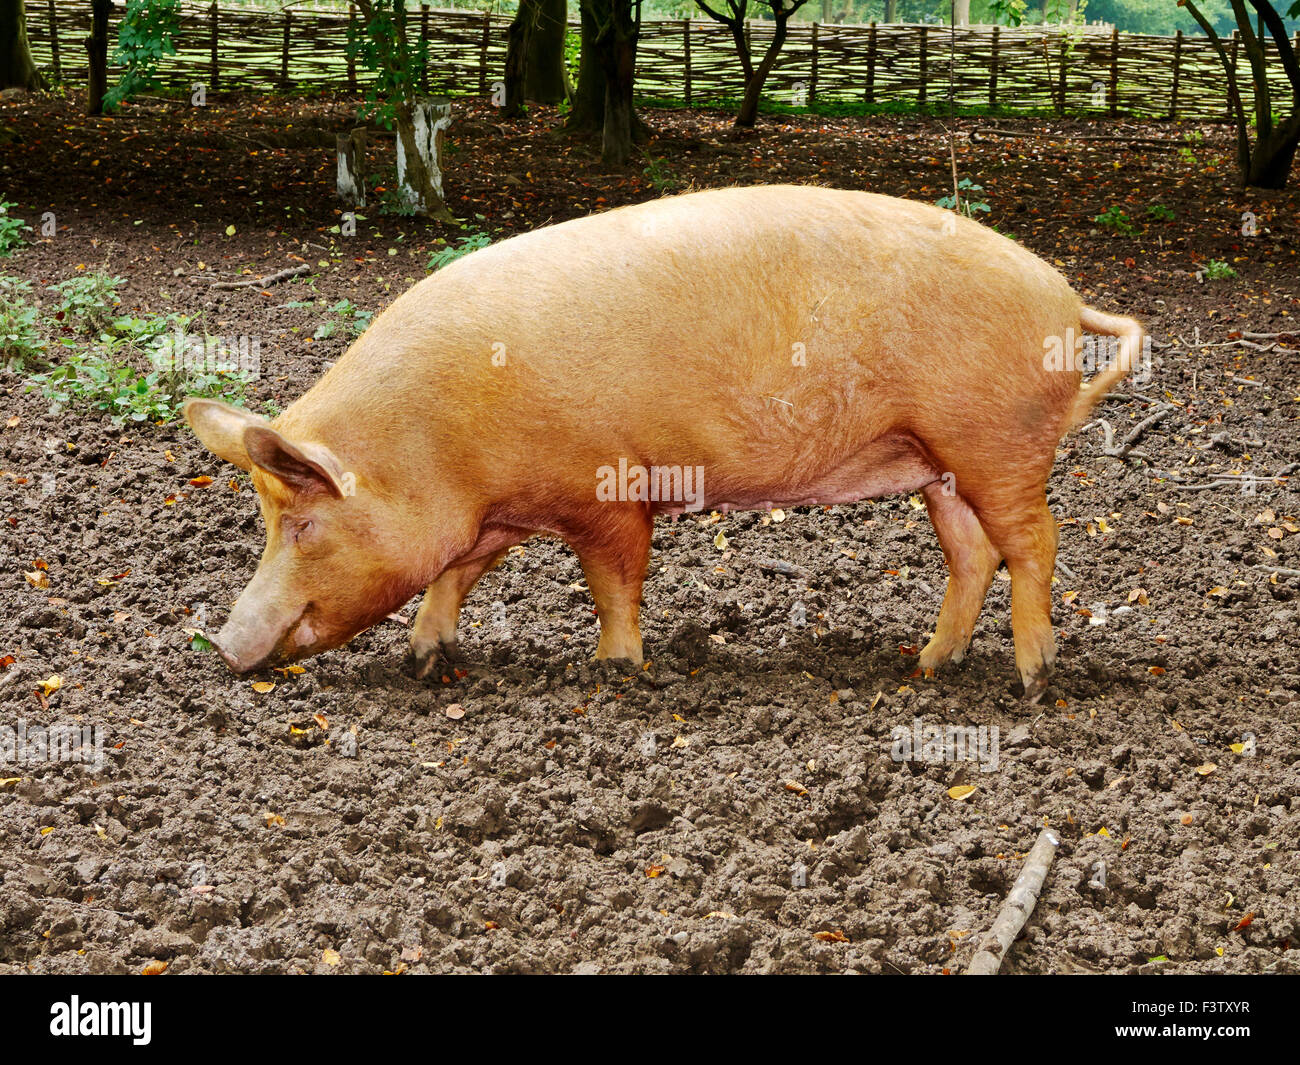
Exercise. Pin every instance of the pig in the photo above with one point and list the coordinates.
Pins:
(788, 345)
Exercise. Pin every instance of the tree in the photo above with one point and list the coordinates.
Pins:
(755, 76)
(144, 37)
(602, 102)
(1267, 163)
(17, 67)
(380, 42)
(97, 51)
(535, 54)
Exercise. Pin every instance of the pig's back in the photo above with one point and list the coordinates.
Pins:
(756, 317)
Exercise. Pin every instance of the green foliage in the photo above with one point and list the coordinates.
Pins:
(357, 320)
(144, 38)
(20, 338)
(381, 45)
(86, 302)
(461, 248)
(969, 207)
(661, 177)
(1160, 212)
(1116, 220)
(11, 229)
(1008, 12)
(95, 380)
(1218, 270)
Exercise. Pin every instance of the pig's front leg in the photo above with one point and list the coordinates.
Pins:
(614, 552)
(972, 561)
(434, 631)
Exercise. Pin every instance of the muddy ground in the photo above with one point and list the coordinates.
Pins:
(735, 806)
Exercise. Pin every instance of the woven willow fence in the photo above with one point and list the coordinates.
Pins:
(694, 60)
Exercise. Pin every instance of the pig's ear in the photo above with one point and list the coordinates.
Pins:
(220, 427)
(304, 467)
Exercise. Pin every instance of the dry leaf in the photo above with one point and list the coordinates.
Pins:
(455, 711)
(263, 686)
(154, 968)
(1206, 769)
(962, 792)
(330, 957)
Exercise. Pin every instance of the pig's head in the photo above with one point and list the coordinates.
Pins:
(330, 568)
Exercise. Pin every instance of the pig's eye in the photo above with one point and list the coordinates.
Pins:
(302, 530)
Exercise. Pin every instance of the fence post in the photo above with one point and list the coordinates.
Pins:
(812, 81)
(1114, 71)
(871, 65)
(993, 71)
(214, 73)
(925, 62)
(686, 47)
(483, 53)
(54, 45)
(284, 51)
(1233, 75)
(424, 40)
(352, 66)
(1060, 75)
(1178, 54)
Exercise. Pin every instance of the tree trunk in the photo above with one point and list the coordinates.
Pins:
(602, 102)
(544, 66)
(516, 57)
(17, 68)
(535, 55)
(588, 113)
(748, 113)
(891, 10)
(419, 138)
(1270, 162)
(97, 50)
(618, 63)
(961, 12)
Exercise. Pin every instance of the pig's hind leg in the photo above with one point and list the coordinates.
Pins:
(972, 561)
(1024, 531)
(434, 630)
(614, 553)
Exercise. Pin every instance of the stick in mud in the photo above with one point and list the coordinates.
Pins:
(1016, 910)
(269, 279)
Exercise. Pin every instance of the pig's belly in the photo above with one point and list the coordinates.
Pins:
(890, 465)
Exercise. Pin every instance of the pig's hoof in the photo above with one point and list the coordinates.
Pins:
(427, 657)
(1036, 684)
(935, 656)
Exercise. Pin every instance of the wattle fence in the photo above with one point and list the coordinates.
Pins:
(1079, 69)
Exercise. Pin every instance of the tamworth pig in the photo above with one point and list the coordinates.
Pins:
(778, 346)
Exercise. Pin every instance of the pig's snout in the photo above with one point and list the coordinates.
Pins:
(228, 647)
(249, 643)
(230, 658)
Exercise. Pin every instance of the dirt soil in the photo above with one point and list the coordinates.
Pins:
(735, 806)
